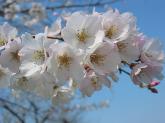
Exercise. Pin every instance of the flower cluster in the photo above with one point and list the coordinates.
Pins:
(86, 54)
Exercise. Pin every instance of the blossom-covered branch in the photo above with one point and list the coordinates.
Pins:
(85, 54)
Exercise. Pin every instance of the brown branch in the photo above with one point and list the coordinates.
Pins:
(98, 4)
(51, 37)
(57, 37)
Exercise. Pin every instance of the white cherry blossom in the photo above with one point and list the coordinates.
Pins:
(32, 79)
(145, 74)
(55, 29)
(93, 82)
(103, 57)
(128, 49)
(118, 27)
(7, 33)
(152, 52)
(37, 11)
(33, 49)
(81, 29)
(64, 63)
(9, 57)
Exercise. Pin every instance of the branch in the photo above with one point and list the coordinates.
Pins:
(124, 71)
(35, 110)
(46, 117)
(51, 37)
(13, 113)
(12, 103)
(57, 37)
(98, 4)
(83, 5)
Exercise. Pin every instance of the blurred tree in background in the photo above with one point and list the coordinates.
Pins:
(34, 15)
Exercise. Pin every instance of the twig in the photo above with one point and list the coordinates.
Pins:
(57, 37)
(12, 103)
(35, 110)
(99, 4)
(124, 71)
(13, 113)
(83, 5)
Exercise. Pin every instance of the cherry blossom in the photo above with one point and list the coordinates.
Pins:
(92, 82)
(10, 58)
(103, 57)
(152, 52)
(145, 74)
(118, 27)
(64, 63)
(81, 29)
(7, 33)
(84, 52)
(32, 79)
(33, 49)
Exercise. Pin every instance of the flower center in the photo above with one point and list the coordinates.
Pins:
(97, 59)
(39, 55)
(2, 42)
(111, 31)
(64, 60)
(82, 36)
(22, 82)
(121, 46)
(94, 82)
(15, 56)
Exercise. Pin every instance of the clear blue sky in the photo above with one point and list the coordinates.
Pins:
(128, 103)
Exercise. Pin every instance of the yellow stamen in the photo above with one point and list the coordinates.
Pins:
(2, 42)
(15, 56)
(39, 55)
(64, 60)
(94, 82)
(121, 46)
(82, 36)
(22, 82)
(97, 59)
(111, 31)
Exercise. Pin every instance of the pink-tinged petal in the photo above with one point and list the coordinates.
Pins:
(145, 74)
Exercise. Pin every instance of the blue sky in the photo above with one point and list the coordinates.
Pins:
(128, 103)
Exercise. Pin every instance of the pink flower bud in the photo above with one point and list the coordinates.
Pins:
(154, 83)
